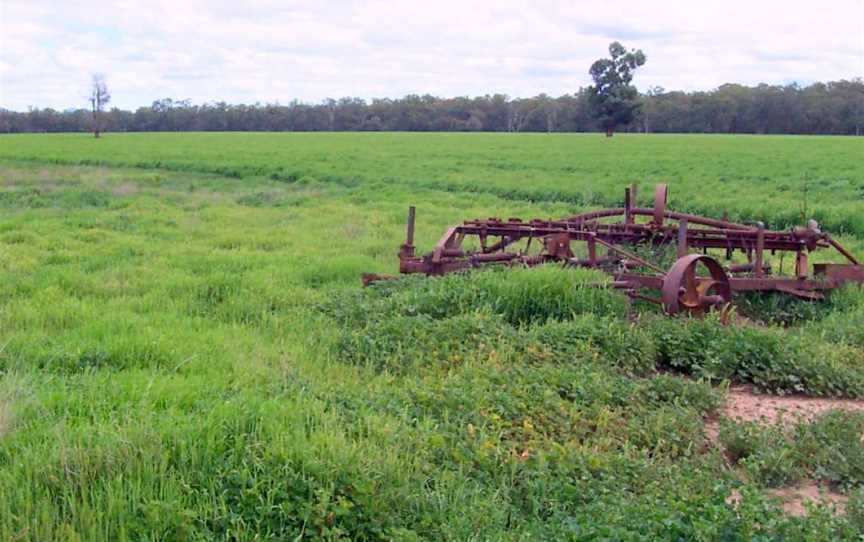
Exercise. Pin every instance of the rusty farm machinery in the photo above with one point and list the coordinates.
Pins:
(627, 242)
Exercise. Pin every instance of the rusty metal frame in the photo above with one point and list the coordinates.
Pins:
(694, 284)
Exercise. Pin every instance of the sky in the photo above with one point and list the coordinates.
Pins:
(268, 51)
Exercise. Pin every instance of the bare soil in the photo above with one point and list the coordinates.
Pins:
(743, 404)
(794, 498)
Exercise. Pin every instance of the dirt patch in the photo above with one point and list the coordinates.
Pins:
(743, 404)
(794, 499)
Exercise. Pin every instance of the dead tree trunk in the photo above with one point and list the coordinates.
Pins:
(96, 127)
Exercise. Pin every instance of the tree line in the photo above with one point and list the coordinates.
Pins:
(835, 107)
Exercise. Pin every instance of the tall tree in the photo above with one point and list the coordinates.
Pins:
(613, 99)
(99, 98)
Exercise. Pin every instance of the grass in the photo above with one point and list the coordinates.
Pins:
(186, 353)
(772, 177)
(827, 449)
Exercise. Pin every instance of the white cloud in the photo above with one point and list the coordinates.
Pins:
(269, 50)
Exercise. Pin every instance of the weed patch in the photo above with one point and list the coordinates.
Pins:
(827, 449)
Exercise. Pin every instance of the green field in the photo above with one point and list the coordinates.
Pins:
(706, 173)
(186, 352)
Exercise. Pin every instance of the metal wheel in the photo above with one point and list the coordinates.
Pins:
(684, 290)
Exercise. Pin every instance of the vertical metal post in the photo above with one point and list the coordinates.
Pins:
(801, 264)
(682, 237)
(628, 204)
(406, 251)
(592, 251)
(409, 238)
(760, 249)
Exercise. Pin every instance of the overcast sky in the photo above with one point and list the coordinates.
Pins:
(271, 50)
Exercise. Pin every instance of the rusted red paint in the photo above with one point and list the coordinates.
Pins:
(683, 288)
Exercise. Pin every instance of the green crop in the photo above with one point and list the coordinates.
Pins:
(186, 352)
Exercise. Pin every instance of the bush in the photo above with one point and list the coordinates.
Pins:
(667, 389)
(519, 295)
(770, 358)
(529, 295)
(616, 342)
(781, 309)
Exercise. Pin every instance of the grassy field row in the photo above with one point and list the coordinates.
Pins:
(189, 356)
(774, 178)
